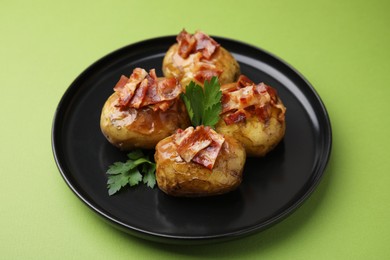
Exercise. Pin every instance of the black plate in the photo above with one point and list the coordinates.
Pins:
(273, 187)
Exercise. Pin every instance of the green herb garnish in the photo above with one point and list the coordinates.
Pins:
(136, 169)
(203, 104)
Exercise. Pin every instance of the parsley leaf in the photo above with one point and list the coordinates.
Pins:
(120, 174)
(193, 99)
(134, 177)
(150, 177)
(136, 154)
(212, 102)
(203, 104)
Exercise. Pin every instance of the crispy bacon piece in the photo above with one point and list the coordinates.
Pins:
(249, 99)
(139, 94)
(200, 145)
(143, 89)
(187, 44)
(205, 71)
(198, 42)
(202, 75)
(121, 83)
(161, 91)
(182, 135)
(240, 99)
(208, 156)
(243, 81)
(196, 141)
(126, 91)
(235, 117)
(168, 89)
(205, 44)
(272, 92)
(264, 113)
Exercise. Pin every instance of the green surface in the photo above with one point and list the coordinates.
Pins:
(341, 47)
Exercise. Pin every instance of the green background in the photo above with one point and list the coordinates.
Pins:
(341, 47)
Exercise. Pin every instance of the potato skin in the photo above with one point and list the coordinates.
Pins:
(184, 69)
(257, 137)
(178, 178)
(140, 128)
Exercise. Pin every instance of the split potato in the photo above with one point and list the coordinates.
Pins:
(263, 126)
(257, 137)
(143, 128)
(189, 179)
(195, 67)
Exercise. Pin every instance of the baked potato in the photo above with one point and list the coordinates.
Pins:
(179, 177)
(140, 121)
(198, 58)
(253, 114)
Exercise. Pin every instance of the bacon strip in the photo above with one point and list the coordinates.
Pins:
(198, 42)
(200, 145)
(198, 140)
(126, 91)
(160, 91)
(208, 156)
(241, 99)
(187, 43)
(143, 89)
(205, 44)
(208, 74)
(182, 135)
(121, 83)
(235, 117)
(243, 81)
(139, 94)
(249, 98)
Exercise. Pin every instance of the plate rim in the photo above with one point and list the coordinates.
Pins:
(181, 239)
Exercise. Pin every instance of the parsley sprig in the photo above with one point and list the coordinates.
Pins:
(120, 174)
(203, 104)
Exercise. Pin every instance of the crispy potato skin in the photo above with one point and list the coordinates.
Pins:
(184, 69)
(140, 128)
(179, 178)
(257, 137)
